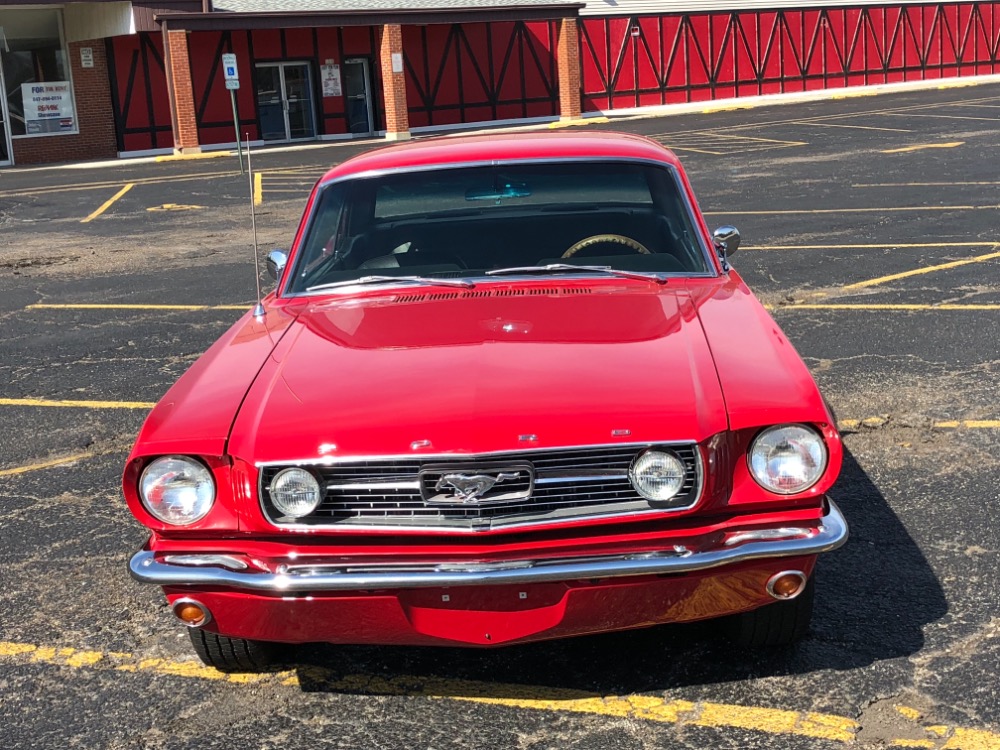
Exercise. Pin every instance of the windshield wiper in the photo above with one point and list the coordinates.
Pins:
(569, 267)
(377, 279)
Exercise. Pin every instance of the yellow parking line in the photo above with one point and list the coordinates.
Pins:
(879, 246)
(77, 404)
(108, 203)
(966, 424)
(970, 424)
(922, 184)
(258, 189)
(920, 271)
(45, 464)
(855, 127)
(651, 708)
(867, 209)
(953, 144)
(883, 307)
(116, 306)
(946, 117)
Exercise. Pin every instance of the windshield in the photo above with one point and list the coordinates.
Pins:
(466, 222)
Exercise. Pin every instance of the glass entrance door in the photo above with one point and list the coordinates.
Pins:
(358, 94)
(285, 102)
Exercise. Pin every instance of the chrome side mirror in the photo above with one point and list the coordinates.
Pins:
(728, 237)
(276, 260)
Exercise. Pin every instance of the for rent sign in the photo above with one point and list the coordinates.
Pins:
(48, 107)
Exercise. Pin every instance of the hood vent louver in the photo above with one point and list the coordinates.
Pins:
(483, 293)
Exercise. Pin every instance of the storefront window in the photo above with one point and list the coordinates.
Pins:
(36, 73)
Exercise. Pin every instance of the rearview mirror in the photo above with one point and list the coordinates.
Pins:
(276, 260)
(728, 237)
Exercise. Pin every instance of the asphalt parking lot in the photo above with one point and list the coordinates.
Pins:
(871, 226)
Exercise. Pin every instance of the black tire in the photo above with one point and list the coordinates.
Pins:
(232, 654)
(775, 625)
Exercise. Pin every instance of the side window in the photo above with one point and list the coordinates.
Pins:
(324, 243)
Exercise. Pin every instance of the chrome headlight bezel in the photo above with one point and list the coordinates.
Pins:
(819, 458)
(184, 512)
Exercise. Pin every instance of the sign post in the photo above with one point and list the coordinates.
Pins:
(232, 75)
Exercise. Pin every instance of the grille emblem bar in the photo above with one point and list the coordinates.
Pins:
(458, 485)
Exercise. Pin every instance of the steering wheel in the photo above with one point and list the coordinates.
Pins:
(614, 239)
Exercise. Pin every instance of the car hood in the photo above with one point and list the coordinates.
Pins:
(505, 368)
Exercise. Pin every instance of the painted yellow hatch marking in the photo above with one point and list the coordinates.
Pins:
(926, 269)
(123, 306)
(921, 147)
(77, 404)
(108, 203)
(821, 726)
(45, 464)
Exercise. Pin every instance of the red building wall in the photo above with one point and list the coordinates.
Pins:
(641, 61)
(477, 72)
(454, 74)
(465, 73)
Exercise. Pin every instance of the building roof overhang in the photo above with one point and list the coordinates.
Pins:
(227, 21)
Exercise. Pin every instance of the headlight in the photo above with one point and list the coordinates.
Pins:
(658, 475)
(177, 490)
(295, 492)
(787, 459)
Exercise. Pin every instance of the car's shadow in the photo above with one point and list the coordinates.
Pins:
(874, 596)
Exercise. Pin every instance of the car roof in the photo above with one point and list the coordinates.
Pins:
(458, 150)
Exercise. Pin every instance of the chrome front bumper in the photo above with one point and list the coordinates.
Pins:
(202, 571)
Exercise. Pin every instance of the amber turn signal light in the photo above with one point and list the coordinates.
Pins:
(786, 585)
(192, 613)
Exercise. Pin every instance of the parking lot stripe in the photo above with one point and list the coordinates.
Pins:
(970, 424)
(923, 184)
(879, 246)
(967, 424)
(108, 203)
(944, 117)
(77, 404)
(45, 464)
(867, 209)
(952, 144)
(814, 725)
(875, 306)
(855, 127)
(117, 306)
(258, 189)
(919, 271)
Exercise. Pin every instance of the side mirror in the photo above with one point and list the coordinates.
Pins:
(276, 260)
(728, 237)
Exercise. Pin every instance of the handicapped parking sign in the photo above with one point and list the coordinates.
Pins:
(230, 71)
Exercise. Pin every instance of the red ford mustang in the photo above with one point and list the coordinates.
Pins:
(507, 389)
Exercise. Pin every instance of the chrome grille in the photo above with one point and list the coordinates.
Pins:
(569, 484)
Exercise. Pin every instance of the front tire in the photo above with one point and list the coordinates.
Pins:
(232, 654)
(775, 625)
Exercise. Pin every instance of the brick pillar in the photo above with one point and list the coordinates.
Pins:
(181, 92)
(397, 119)
(568, 60)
